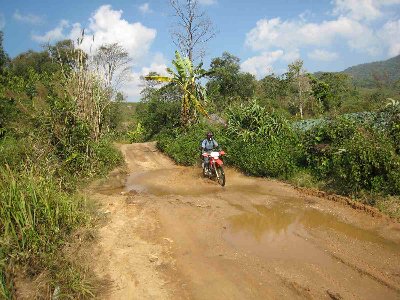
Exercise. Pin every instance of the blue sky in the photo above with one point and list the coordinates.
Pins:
(329, 35)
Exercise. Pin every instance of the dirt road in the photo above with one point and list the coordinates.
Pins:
(171, 234)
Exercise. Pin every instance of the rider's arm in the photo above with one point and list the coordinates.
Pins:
(203, 145)
(215, 144)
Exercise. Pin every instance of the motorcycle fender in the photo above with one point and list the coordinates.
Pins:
(219, 162)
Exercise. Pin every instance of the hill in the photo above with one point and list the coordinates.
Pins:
(375, 73)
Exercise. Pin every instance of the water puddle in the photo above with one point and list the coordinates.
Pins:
(166, 182)
(282, 232)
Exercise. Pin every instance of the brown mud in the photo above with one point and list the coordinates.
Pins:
(171, 234)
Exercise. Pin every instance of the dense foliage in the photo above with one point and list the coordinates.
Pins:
(257, 142)
(261, 143)
(353, 157)
(57, 118)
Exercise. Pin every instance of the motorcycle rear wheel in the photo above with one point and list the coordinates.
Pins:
(220, 175)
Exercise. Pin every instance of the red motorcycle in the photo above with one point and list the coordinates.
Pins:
(215, 168)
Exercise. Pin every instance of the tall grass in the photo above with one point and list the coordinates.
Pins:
(35, 217)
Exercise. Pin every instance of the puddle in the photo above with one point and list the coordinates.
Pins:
(187, 182)
(166, 182)
(282, 231)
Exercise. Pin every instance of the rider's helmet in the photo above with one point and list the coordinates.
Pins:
(209, 135)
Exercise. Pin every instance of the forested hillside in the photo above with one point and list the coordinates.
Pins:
(380, 73)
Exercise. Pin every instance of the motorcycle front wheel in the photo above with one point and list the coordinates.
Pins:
(220, 175)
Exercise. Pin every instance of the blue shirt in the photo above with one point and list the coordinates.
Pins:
(209, 145)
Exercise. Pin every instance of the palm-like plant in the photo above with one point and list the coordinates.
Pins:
(187, 77)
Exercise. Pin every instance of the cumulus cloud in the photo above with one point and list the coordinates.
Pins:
(361, 26)
(262, 65)
(390, 33)
(145, 8)
(28, 18)
(106, 26)
(362, 9)
(55, 34)
(293, 34)
(135, 83)
(323, 55)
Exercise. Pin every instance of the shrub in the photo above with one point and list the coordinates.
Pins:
(137, 135)
(262, 143)
(159, 110)
(257, 142)
(183, 145)
(391, 116)
(353, 157)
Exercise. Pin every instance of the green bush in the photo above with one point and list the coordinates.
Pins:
(13, 151)
(183, 145)
(391, 115)
(257, 142)
(353, 157)
(137, 135)
(159, 110)
(262, 143)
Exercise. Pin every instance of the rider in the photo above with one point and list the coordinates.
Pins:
(207, 145)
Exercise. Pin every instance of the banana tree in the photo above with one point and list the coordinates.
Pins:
(187, 78)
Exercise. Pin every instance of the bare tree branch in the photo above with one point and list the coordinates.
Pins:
(113, 63)
(192, 30)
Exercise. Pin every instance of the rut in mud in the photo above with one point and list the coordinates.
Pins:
(171, 234)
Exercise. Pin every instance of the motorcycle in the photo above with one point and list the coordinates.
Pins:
(214, 168)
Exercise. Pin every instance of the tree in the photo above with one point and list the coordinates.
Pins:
(40, 62)
(4, 59)
(159, 109)
(332, 89)
(65, 54)
(192, 30)
(227, 83)
(300, 83)
(113, 63)
(186, 77)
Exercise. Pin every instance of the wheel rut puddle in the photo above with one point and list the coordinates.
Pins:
(284, 232)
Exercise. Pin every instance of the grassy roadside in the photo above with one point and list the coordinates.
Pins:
(41, 208)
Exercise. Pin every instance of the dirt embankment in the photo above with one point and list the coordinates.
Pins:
(171, 234)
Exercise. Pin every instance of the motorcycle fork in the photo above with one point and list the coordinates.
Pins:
(215, 170)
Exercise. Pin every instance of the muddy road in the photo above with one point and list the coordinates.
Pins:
(171, 234)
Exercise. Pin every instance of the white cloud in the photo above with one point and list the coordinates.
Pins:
(55, 34)
(390, 34)
(134, 86)
(145, 8)
(362, 9)
(106, 26)
(294, 34)
(361, 26)
(261, 65)
(207, 2)
(357, 9)
(29, 18)
(323, 55)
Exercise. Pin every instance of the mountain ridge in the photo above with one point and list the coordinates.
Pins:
(375, 73)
